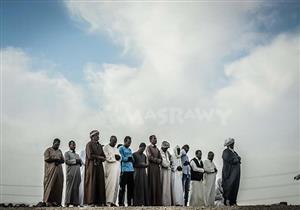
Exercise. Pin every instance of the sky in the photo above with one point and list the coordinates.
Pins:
(194, 73)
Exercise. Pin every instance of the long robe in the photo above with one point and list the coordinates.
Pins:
(154, 181)
(196, 195)
(197, 188)
(209, 183)
(94, 180)
(73, 178)
(176, 180)
(231, 175)
(166, 178)
(112, 173)
(81, 186)
(53, 177)
(140, 193)
(219, 200)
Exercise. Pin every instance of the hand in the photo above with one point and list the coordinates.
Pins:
(179, 168)
(159, 161)
(130, 159)
(101, 158)
(186, 163)
(118, 157)
(58, 161)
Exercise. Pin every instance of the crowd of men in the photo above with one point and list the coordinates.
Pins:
(157, 178)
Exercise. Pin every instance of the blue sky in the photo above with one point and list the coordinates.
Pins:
(45, 30)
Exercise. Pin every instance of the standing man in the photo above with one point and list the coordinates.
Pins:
(166, 174)
(154, 181)
(140, 196)
(186, 170)
(210, 180)
(53, 175)
(94, 181)
(73, 163)
(176, 177)
(126, 173)
(197, 189)
(82, 169)
(112, 171)
(231, 173)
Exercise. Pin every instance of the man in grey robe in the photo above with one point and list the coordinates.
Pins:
(73, 163)
(140, 163)
(231, 173)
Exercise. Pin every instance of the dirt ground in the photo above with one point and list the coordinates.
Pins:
(275, 207)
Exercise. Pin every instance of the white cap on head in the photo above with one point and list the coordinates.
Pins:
(94, 132)
(228, 142)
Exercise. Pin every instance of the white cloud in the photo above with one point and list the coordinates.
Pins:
(265, 75)
(36, 109)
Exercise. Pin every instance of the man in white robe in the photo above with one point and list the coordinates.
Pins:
(197, 186)
(210, 180)
(219, 200)
(81, 191)
(176, 178)
(112, 171)
(166, 174)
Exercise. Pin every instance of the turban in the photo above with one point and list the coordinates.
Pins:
(165, 144)
(228, 142)
(177, 155)
(94, 132)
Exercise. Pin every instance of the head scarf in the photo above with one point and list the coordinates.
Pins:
(165, 144)
(228, 142)
(175, 151)
(94, 132)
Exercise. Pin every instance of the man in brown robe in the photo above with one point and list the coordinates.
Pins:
(53, 175)
(154, 181)
(73, 176)
(94, 180)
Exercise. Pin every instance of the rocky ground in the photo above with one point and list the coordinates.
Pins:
(275, 207)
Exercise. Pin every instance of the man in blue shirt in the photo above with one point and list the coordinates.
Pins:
(186, 170)
(126, 173)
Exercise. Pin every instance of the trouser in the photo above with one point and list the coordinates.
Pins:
(186, 179)
(126, 179)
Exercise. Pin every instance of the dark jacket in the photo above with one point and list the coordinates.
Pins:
(196, 175)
